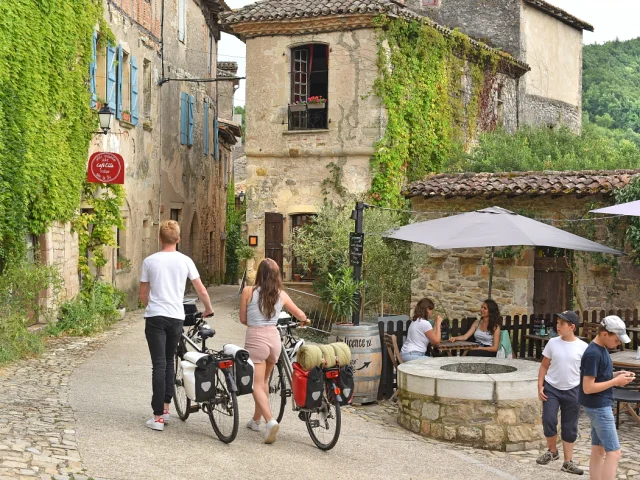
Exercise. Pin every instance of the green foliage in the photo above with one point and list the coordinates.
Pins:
(540, 148)
(339, 292)
(388, 265)
(611, 84)
(242, 110)
(237, 248)
(89, 313)
(631, 193)
(45, 116)
(421, 88)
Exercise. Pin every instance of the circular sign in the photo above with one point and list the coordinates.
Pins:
(106, 167)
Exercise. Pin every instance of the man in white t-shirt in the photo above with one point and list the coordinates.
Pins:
(162, 284)
(558, 388)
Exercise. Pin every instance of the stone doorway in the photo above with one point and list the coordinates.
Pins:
(552, 289)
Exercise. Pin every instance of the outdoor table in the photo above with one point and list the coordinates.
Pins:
(463, 346)
(635, 331)
(542, 340)
(625, 358)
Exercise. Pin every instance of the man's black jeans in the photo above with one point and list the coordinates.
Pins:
(163, 334)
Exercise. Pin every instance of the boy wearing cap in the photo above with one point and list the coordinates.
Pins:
(558, 388)
(597, 380)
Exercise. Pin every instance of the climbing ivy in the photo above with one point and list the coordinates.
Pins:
(421, 86)
(45, 116)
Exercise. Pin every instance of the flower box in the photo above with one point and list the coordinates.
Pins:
(316, 105)
(298, 107)
(126, 116)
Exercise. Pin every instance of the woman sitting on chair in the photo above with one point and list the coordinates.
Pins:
(485, 331)
(421, 333)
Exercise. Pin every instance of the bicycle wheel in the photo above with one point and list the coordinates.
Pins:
(180, 399)
(277, 392)
(323, 424)
(223, 410)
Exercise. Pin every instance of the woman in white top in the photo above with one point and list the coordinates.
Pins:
(260, 307)
(421, 333)
(485, 331)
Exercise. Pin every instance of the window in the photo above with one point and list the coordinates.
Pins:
(186, 118)
(174, 214)
(182, 20)
(298, 268)
(146, 87)
(124, 82)
(309, 78)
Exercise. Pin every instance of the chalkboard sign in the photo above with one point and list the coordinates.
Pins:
(356, 243)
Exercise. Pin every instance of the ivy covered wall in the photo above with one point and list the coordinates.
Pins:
(45, 116)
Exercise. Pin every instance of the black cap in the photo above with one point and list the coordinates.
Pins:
(570, 317)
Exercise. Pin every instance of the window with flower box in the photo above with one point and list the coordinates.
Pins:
(309, 87)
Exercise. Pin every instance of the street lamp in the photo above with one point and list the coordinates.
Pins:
(241, 197)
(105, 114)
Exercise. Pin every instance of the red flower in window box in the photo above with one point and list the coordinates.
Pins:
(316, 102)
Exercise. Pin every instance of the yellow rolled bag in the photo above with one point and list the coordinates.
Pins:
(329, 354)
(309, 356)
(342, 353)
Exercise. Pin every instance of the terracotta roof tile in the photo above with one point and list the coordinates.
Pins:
(519, 183)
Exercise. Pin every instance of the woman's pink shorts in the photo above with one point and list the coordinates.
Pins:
(263, 344)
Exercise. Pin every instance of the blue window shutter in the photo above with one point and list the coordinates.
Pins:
(134, 91)
(215, 138)
(119, 95)
(183, 118)
(190, 129)
(111, 77)
(206, 129)
(93, 67)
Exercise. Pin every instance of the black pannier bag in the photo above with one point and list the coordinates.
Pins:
(243, 368)
(346, 384)
(190, 311)
(205, 378)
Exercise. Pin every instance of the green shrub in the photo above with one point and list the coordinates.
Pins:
(16, 341)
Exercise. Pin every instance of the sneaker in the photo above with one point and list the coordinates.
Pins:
(547, 457)
(271, 430)
(154, 424)
(165, 416)
(571, 467)
(253, 425)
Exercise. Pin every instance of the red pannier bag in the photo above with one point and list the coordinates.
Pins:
(307, 386)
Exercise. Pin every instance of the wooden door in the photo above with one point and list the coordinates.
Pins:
(273, 238)
(551, 283)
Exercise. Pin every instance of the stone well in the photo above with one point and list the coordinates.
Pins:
(485, 402)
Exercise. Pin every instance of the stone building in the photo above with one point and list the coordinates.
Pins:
(529, 280)
(544, 36)
(330, 50)
(166, 129)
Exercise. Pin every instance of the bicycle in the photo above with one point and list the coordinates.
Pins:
(323, 423)
(222, 407)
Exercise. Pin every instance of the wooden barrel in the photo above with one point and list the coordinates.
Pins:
(366, 358)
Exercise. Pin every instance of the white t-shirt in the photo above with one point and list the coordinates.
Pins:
(167, 272)
(417, 340)
(564, 371)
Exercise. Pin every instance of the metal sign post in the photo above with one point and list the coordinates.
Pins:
(356, 247)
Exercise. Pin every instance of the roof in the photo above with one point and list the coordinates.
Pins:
(229, 130)
(560, 14)
(277, 12)
(513, 184)
(228, 66)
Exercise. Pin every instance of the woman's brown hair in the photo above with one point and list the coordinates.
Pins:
(422, 309)
(269, 281)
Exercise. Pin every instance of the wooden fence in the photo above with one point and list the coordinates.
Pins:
(518, 327)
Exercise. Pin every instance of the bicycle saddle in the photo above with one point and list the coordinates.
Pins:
(207, 332)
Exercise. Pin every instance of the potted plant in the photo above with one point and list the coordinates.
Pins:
(298, 272)
(316, 102)
(126, 115)
(298, 106)
(340, 292)
(123, 264)
(100, 102)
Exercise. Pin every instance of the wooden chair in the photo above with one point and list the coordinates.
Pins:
(628, 395)
(590, 330)
(391, 343)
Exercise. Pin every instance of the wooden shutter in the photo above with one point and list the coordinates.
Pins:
(206, 128)
(111, 76)
(119, 94)
(134, 91)
(93, 68)
(183, 118)
(273, 236)
(216, 154)
(190, 127)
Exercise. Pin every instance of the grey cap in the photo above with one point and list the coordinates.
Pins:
(614, 324)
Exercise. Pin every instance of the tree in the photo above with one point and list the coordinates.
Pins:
(242, 111)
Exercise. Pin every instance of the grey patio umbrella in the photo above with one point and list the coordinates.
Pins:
(493, 227)
(630, 209)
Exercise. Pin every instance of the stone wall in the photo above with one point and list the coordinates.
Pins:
(59, 247)
(460, 278)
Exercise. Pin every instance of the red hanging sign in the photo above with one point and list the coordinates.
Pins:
(106, 167)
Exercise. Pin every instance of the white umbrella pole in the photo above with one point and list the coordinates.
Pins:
(493, 251)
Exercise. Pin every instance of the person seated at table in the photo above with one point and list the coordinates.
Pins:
(421, 333)
(485, 331)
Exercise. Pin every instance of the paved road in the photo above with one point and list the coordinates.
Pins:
(110, 395)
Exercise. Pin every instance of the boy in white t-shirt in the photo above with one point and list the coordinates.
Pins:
(162, 283)
(558, 388)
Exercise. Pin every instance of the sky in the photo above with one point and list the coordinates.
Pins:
(611, 19)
